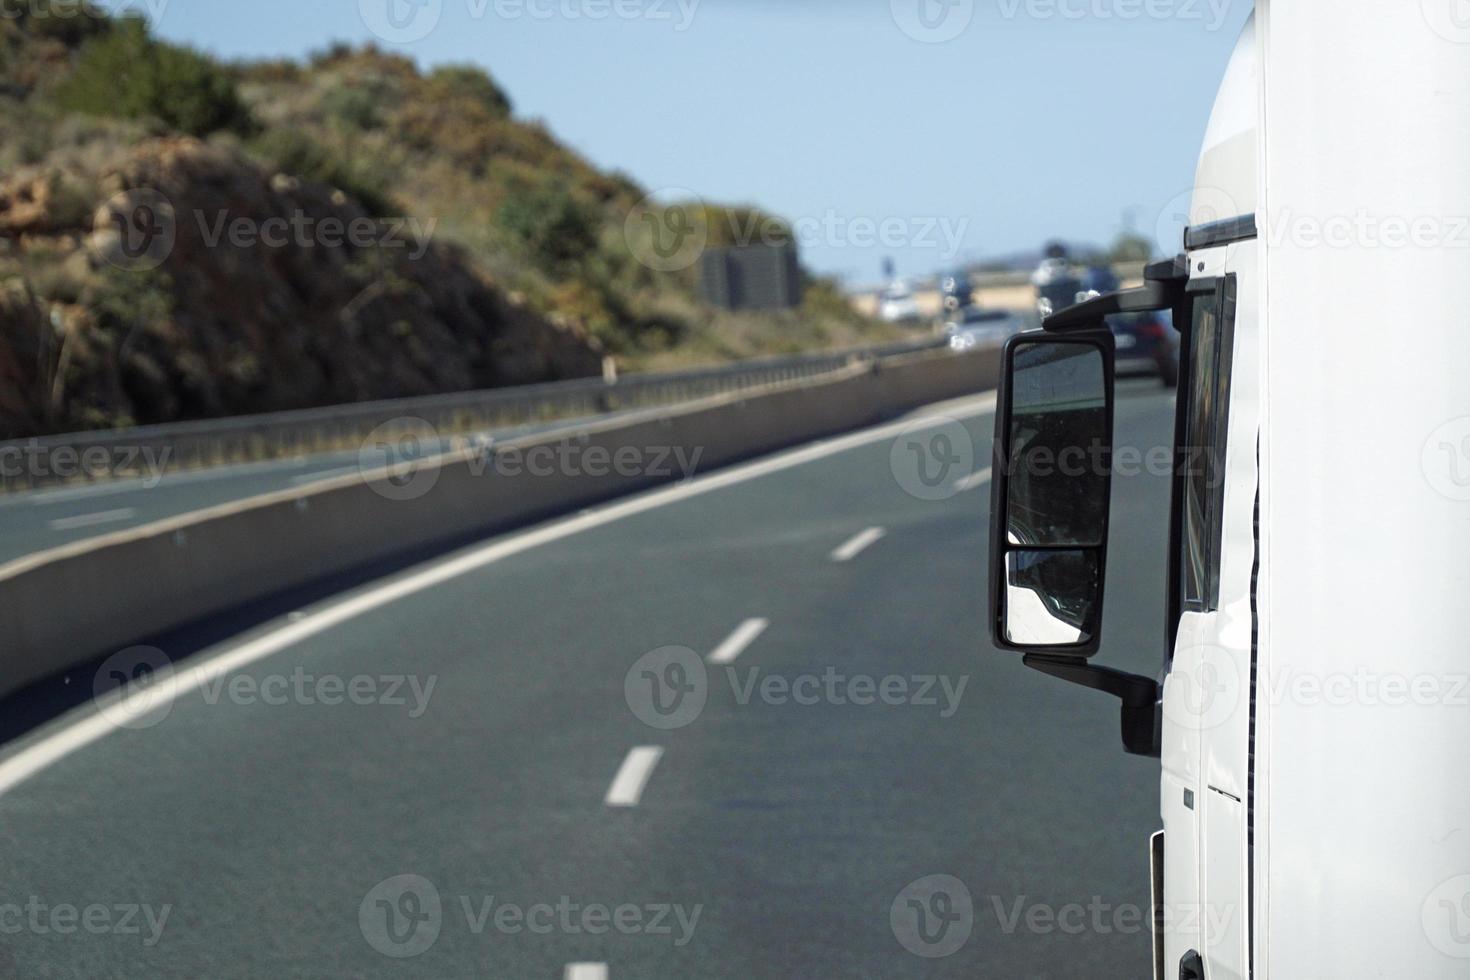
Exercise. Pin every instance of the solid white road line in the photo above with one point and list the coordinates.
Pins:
(859, 543)
(745, 634)
(324, 475)
(974, 480)
(38, 755)
(90, 520)
(586, 971)
(627, 785)
(40, 498)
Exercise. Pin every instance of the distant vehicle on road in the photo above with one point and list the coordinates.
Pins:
(1099, 279)
(897, 304)
(976, 328)
(956, 289)
(1146, 344)
(1057, 285)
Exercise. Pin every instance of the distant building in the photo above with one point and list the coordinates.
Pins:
(751, 277)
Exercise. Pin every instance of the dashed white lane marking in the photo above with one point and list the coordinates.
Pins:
(586, 971)
(974, 480)
(91, 520)
(858, 543)
(52, 748)
(627, 785)
(745, 634)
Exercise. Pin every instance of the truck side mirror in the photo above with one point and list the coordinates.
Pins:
(1052, 477)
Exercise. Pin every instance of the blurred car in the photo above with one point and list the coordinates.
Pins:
(956, 290)
(979, 328)
(1057, 285)
(1146, 344)
(897, 305)
(1099, 279)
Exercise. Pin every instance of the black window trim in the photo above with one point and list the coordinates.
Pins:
(1223, 289)
(1226, 231)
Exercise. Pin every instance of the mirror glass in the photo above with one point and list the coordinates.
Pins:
(1059, 453)
(1051, 597)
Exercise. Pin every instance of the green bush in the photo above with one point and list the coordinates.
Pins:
(128, 74)
(469, 82)
(69, 21)
(352, 108)
(297, 154)
(557, 229)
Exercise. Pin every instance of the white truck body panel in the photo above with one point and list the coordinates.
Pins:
(1345, 128)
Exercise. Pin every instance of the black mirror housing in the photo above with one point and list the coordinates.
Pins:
(1052, 477)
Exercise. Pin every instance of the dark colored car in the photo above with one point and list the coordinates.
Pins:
(1147, 344)
(956, 290)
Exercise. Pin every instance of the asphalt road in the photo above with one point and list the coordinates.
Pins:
(37, 520)
(783, 831)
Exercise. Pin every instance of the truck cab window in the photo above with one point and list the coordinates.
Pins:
(1202, 454)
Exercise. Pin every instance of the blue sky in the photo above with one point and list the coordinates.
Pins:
(873, 128)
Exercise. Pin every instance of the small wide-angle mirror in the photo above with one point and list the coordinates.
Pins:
(1050, 597)
(1054, 474)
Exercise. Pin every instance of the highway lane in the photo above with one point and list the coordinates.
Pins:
(272, 831)
(40, 519)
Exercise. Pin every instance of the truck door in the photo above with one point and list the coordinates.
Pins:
(1207, 731)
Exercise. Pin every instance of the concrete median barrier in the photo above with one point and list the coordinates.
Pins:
(67, 606)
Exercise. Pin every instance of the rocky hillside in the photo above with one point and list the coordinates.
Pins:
(182, 239)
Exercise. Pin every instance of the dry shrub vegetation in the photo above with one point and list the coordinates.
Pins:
(529, 276)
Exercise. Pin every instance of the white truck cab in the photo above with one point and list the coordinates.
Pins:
(1312, 714)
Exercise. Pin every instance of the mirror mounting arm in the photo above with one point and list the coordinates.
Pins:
(1140, 696)
(1163, 285)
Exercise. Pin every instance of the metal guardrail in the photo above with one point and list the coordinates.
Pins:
(153, 450)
